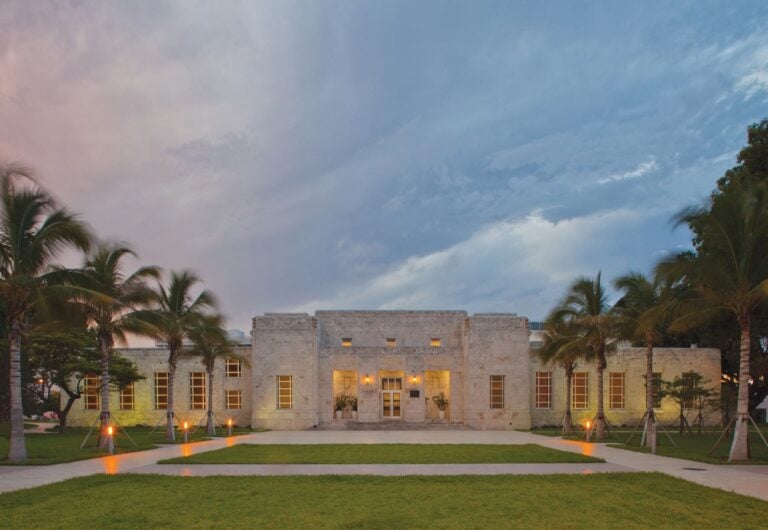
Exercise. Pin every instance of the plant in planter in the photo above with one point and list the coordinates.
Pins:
(340, 401)
(352, 403)
(442, 404)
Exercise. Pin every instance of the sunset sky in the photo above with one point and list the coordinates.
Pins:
(382, 154)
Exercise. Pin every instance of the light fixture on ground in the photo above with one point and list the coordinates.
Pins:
(186, 432)
(229, 427)
(110, 439)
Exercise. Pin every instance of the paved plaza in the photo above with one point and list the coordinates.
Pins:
(746, 480)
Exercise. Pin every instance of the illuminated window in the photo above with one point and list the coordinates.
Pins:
(434, 342)
(126, 397)
(284, 392)
(234, 399)
(656, 390)
(497, 392)
(391, 343)
(91, 392)
(233, 368)
(346, 342)
(161, 390)
(580, 390)
(689, 389)
(543, 390)
(197, 390)
(616, 390)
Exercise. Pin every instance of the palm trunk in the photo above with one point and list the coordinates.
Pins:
(650, 420)
(567, 418)
(600, 422)
(17, 451)
(104, 419)
(170, 434)
(740, 445)
(210, 429)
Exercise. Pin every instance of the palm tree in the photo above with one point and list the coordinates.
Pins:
(176, 315)
(727, 273)
(33, 230)
(641, 314)
(109, 300)
(562, 345)
(585, 309)
(210, 343)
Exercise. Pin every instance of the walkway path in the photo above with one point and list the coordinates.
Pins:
(747, 480)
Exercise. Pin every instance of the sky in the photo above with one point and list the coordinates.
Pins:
(383, 155)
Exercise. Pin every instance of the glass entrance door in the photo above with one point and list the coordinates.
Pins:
(391, 389)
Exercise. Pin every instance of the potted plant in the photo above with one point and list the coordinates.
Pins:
(340, 404)
(442, 404)
(352, 402)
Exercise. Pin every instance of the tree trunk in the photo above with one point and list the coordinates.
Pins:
(650, 419)
(170, 434)
(567, 419)
(104, 345)
(740, 445)
(17, 451)
(210, 429)
(600, 423)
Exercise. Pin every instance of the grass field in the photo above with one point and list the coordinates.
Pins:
(54, 448)
(565, 501)
(696, 447)
(382, 454)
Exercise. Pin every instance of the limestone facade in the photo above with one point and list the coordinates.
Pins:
(391, 364)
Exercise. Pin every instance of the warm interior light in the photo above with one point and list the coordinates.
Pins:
(435, 342)
(346, 342)
(109, 431)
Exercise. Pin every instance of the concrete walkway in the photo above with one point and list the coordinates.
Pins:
(746, 480)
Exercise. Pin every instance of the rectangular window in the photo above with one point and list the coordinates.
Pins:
(91, 399)
(161, 390)
(347, 342)
(616, 390)
(234, 399)
(543, 390)
(497, 392)
(656, 390)
(197, 390)
(284, 392)
(126, 397)
(391, 343)
(580, 390)
(689, 388)
(233, 368)
(434, 342)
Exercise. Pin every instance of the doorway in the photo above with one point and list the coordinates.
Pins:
(391, 394)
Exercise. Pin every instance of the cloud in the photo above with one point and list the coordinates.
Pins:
(639, 171)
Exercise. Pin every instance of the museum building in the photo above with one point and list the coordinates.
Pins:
(393, 367)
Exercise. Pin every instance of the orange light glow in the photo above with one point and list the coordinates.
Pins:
(41, 381)
(110, 431)
(414, 379)
(111, 465)
(229, 422)
(185, 426)
(367, 379)
(588, 424)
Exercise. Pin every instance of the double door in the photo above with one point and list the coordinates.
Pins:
(391, 397)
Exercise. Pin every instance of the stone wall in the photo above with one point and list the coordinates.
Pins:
(670, 362)
(151, 360)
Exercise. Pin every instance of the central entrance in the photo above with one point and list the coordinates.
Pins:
(391, 393)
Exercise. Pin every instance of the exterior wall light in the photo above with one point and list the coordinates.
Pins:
(367, 379)
(414, 379)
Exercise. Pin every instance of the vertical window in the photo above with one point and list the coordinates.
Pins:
(580, 390)
(434, 342)
(543, 390)
(391, 343)
(126, 397)
(497, 392)
(233, 368)
(689, 388)
(91, 392)
(656, 389)
(234, 399)
(197, 390)
(346, 342)
(616, 390)
(284, 392)
(161, 390)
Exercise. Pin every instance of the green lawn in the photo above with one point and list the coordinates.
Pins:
(696, 447)
(566, 501)
(54, 448)
(382, 454)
